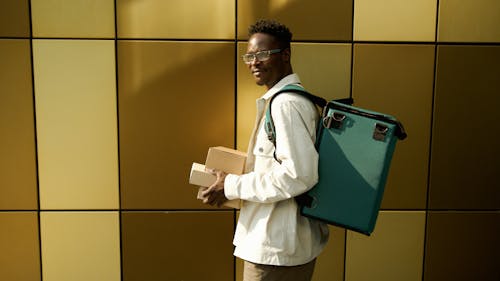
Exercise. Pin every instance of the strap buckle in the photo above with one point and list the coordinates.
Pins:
(336, 121)
(380, 131)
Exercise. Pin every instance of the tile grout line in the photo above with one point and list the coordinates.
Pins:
(120, 234)
(38, 211)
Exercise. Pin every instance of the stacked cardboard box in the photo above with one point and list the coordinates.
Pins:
(220, 158)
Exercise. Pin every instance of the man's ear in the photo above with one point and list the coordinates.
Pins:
(287, 54)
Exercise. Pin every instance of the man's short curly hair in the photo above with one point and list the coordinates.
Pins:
(273, 28)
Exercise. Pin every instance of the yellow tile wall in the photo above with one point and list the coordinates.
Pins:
(177, 19)
(170, 113)
(75, 99)
(469, 21)
(14, 18)
(465, 74)
(74, 19)
(393, 252)
(395, 20)
(304, 18)
(105, 104)
(80, 245)
(159, 245)
(20, 255)
(18, 174)
(473, 238)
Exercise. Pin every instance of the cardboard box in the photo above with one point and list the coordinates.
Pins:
(200, 177)
(226, 159)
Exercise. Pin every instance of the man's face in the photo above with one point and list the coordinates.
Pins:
(271, 71)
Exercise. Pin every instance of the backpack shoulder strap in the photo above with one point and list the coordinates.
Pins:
(292, 88)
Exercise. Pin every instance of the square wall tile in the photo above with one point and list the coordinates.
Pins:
(307, 20)
(397, 80)
(18, 183)
(178, 246)
(176, 99)
(80, 246)
(395, 20)
(176, 19)
(19, 246)
(75, 93)
(74, 19)
(465, 150)
(469, 21)
(324, 69)
(14, 18)
(462, 246)
(393, 252)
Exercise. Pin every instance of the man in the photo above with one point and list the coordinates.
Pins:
(273, 239)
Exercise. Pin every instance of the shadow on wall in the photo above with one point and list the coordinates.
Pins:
(301, 17)
(172, 107)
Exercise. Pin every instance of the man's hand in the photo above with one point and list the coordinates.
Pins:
(214, 195)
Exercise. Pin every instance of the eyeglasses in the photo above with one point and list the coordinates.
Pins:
(260, 56)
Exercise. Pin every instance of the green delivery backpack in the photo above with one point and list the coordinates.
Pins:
(355, 149)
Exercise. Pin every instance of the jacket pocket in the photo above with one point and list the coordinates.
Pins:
(263, 147)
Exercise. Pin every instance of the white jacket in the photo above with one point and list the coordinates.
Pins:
(270, 229)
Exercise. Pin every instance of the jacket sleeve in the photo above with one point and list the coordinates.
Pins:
(295, 124)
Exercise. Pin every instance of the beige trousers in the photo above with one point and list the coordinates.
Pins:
(262, 272)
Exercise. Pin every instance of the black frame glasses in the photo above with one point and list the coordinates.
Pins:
(260, 56)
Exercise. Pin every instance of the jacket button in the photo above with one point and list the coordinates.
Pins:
(261, 149)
